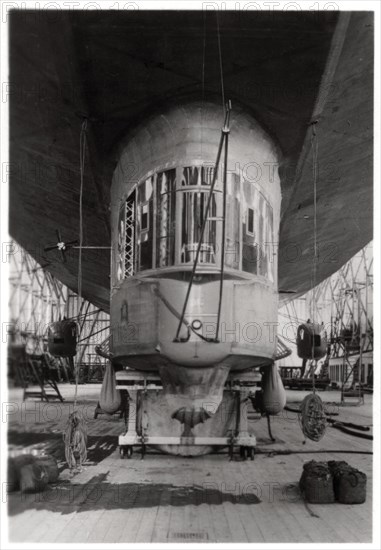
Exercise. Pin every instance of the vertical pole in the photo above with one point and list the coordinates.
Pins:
(361, 342)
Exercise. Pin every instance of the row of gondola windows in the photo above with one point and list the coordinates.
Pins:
(146, 241)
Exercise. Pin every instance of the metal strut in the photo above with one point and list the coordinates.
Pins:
(224, 139)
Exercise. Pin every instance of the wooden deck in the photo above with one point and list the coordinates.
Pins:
(173, 499)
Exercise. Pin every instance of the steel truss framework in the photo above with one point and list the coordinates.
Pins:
(344, 303)
(38, 299)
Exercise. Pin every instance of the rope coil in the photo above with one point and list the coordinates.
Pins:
(312, 418)
(75, 438)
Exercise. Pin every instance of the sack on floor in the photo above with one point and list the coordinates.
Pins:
(316, 483)
(33, 478)
(50, 465)
(348, 482)
(16, 464)
(14, 467)
(110, 399)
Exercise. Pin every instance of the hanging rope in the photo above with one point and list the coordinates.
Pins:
(312, 418)
(203, 84)
(220, 59)
(224, 193)
(223, 141)
(82, 316)
(314, 149)
(82, 152)
(75, 436)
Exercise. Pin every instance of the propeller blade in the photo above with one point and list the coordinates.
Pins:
(58, 235)
(49, 248)
(63, 256)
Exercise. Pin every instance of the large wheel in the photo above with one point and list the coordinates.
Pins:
(122, 452)
(129, 451)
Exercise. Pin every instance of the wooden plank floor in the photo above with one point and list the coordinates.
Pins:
(174, 499)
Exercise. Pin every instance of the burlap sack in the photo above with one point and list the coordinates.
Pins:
(110, 399)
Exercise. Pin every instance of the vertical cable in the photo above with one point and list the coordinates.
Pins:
(75, 436)
(220, 59)
(314, 148)
(203, 82)
(200, 241)
(226, 132)
(82, 152)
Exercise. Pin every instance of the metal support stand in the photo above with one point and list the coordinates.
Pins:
(137, 423)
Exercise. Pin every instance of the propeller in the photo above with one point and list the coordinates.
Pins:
(61, 246)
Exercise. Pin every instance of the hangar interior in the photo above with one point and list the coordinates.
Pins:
(190, 334)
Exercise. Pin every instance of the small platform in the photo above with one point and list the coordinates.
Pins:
(135, 380)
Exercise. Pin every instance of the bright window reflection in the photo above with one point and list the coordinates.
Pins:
(145, 224)
(192, 216)
(193, 209)
(165, 218)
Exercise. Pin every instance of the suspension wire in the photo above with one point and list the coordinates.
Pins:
(75, 436)
(94, 334)
(82, 153)
(314, 149)
(203, 57)
(223, 139)
(79, 317)
(312, 416)
(290, 317)
(220, 59)
(203, 82)
(226, 132)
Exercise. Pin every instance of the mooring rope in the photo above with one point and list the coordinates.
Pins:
(312, 417)
(203, 84)
(220, 59)
(314, 149)
(82, 151)
(75, 436)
